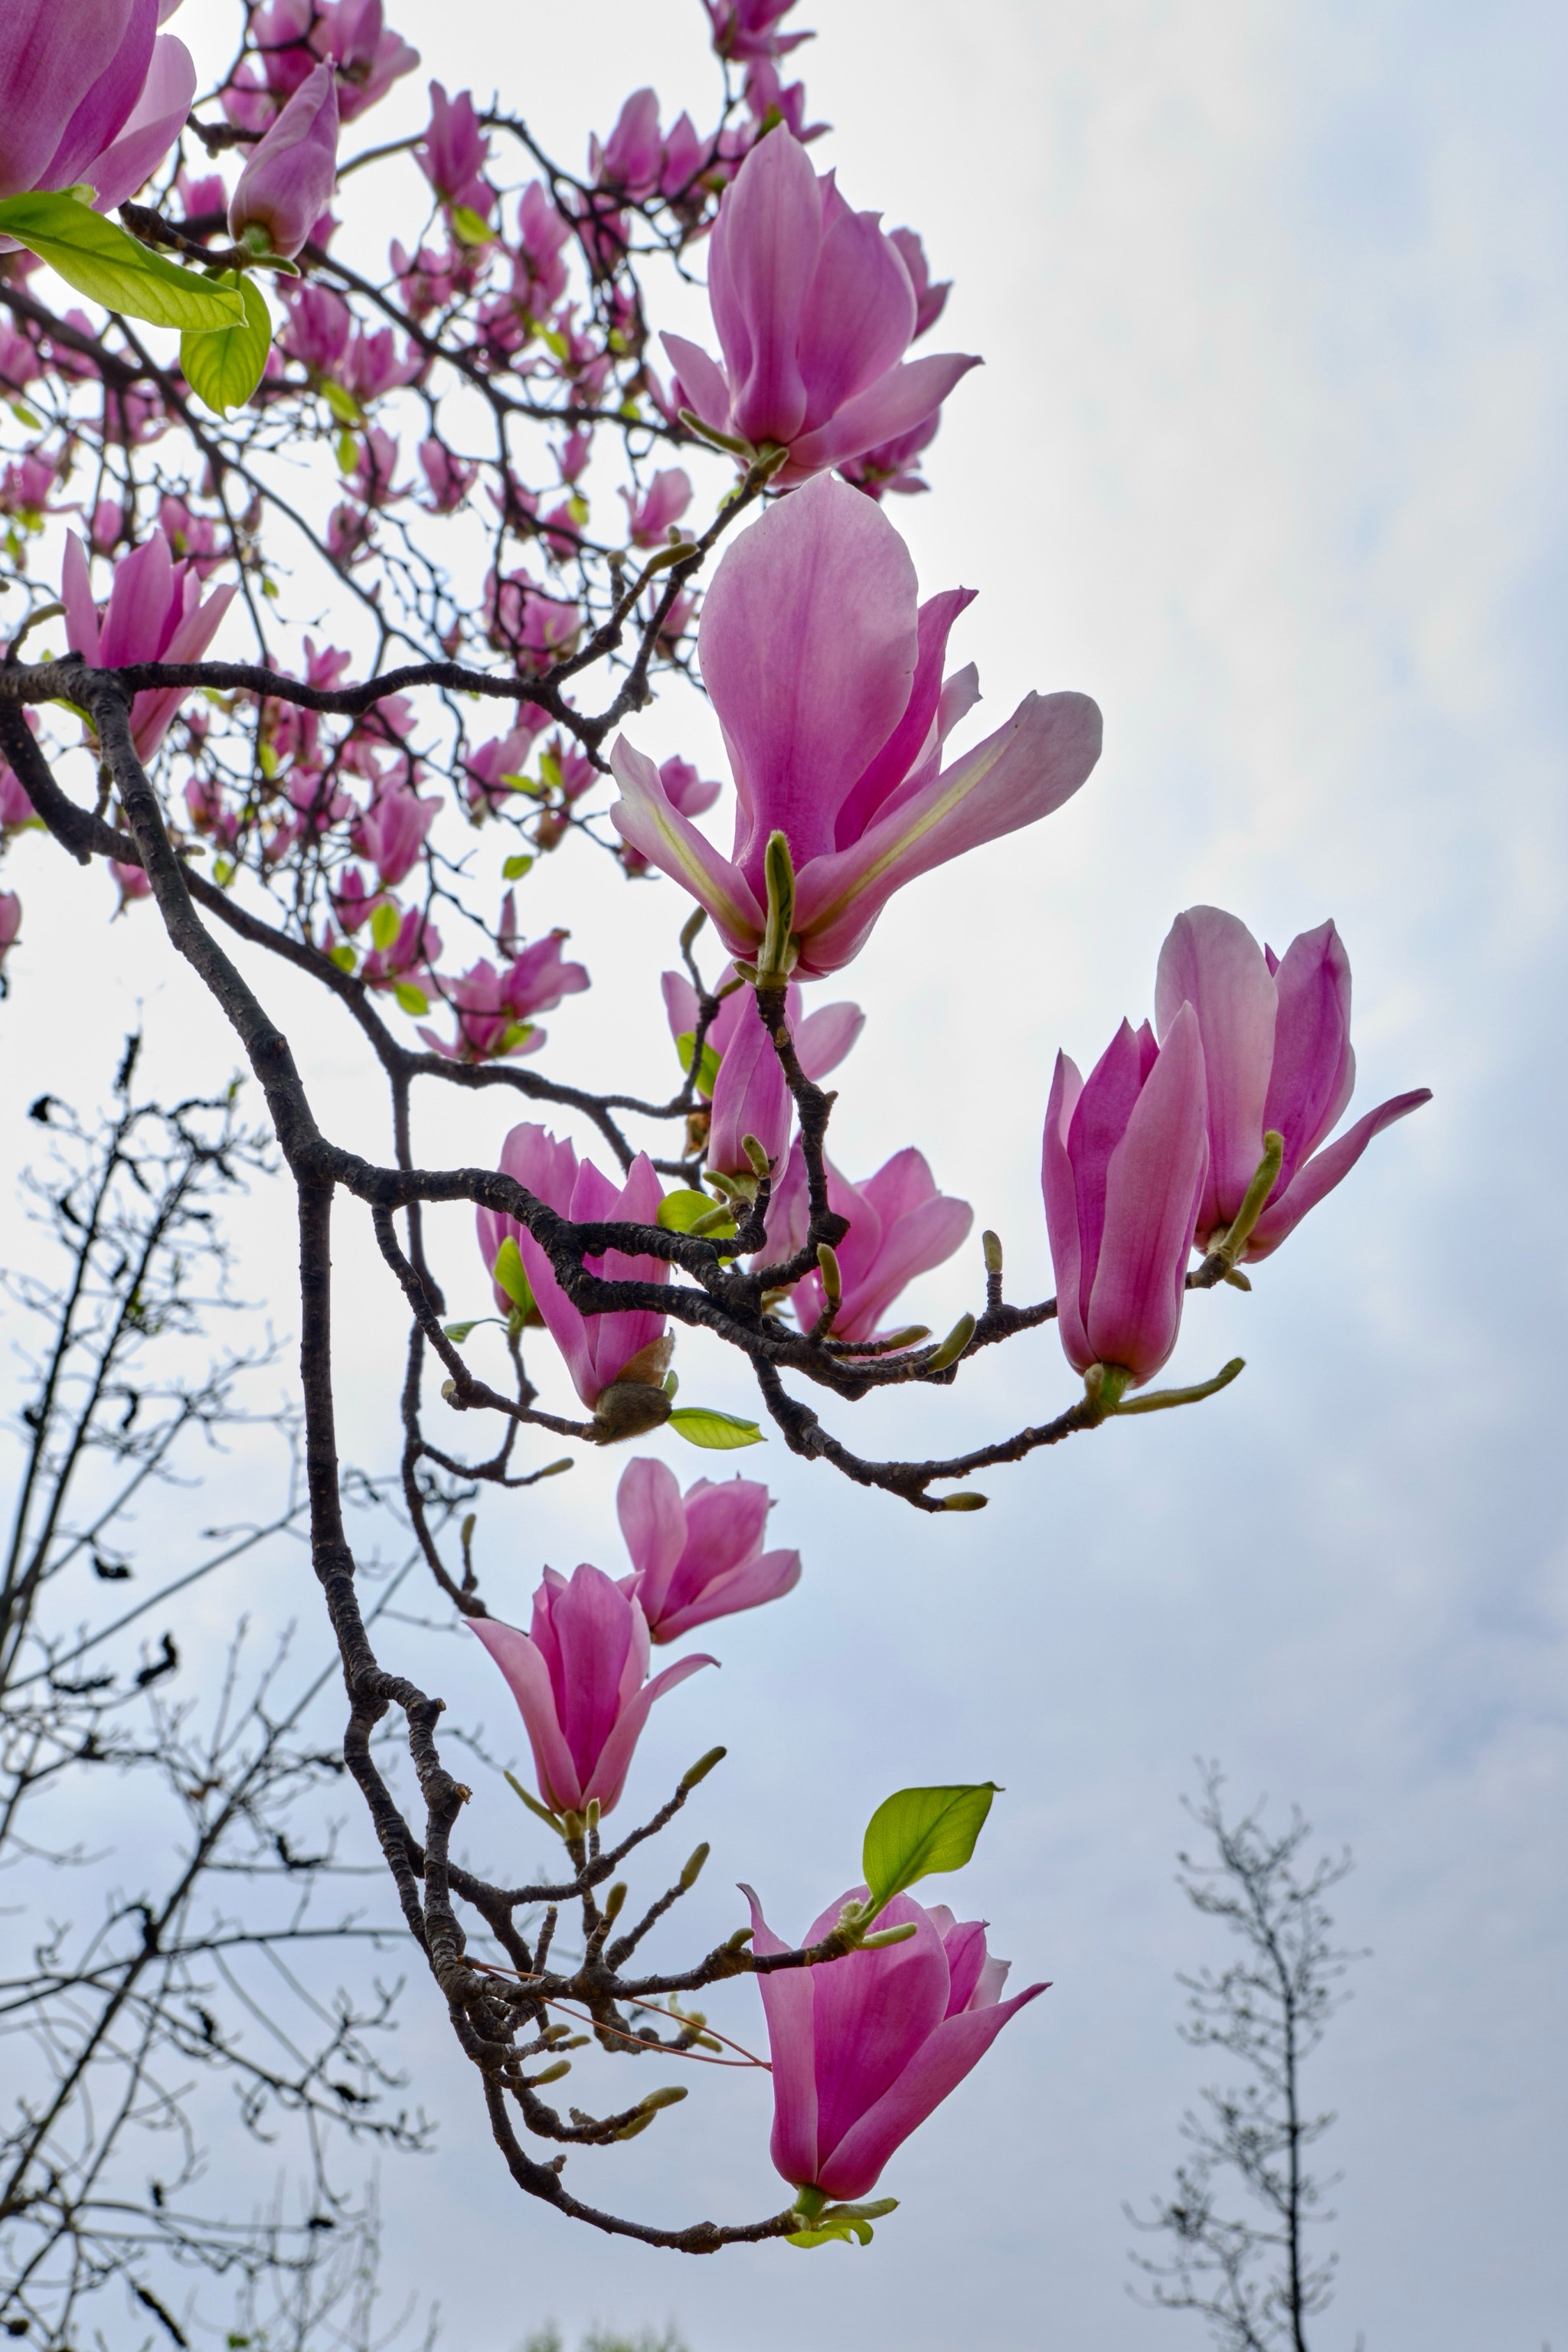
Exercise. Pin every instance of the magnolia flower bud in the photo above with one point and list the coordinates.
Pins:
(288, 184)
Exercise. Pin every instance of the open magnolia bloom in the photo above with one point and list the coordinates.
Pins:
(827, 673)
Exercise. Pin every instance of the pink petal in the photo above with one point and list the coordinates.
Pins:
(916, 730)
(609, 1775)
(1325, 1170)
(653, 1522)
(1021, 774)
(874, 2012)
(646, 816)
(949, 2053)
(702, 380)
(860, 317)
(155, 122)
(808, 643)
(1060, 1190)
(1151, 1197)
(787, 2006)
(1211, 961)
(1313, 1069)
(528, 1678)
(823, 1038)
(895, 404)
(762, 258)
(76, 595)
(767, 1578)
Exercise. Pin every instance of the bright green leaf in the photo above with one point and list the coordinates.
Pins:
(516, 1034)
(679, 1211)
(102, 262)
(922, 1829)
(470, 227)
(412, 998)
(459, 1332)
(523, 785)
(507, 1271)
(549, 770)
(700, 1424)
(224, 365)
(708, 1069)
(343, 955)
(832, 2233)
(348, 453)
(385, 922)
(341, 402)
(515, 867)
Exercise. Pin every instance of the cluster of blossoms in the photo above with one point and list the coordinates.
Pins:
(343, 828)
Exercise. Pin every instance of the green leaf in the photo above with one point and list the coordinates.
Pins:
(839, 2232)
(468, 226)
(516, 1034)
(348, 453)
(343, 955)
(341, 402)
(922, 1829)
(708, 1069)
(524, 784)
(412, 998)
(700, 1424)
(102, 262)
(679, 1211)
(459, 1332)
(509, 1273)
(515, 867)
(225, 364)
(385, 922)
(550, 770)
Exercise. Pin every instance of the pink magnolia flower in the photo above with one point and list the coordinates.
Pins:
(1123, 1171)
(698, 1555)
(450, 479)
(749, 29)
(156, 612)
(291, 175)
(650, 513)
(825, 672)
(751, 1094)
(318, 327)
(504, 755)
(391, 831)
(371, 366)
(369, 57)
(409, 958)
(495, 1009)
(865, 2048)
(685, 789)
(577, 1677)
(631, 157)
(930, 300)
(10, 923)
(813, 309)
(535, 628)
(539, 273)
(454, 152)
(900, 1226)
(598, 1347)
(1277, 1048)
(131, 882)
(25, 486)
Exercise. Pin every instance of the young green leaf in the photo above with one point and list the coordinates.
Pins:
(919, 1831)
(459, 1332)
(223, 365)
(699, 1424)
(385, 922)
(515, 867)
(707, 1069)
(509, 1273)
(411, 998)
(101, 261)
(341, 402)
(679, 1211)
(470, 227)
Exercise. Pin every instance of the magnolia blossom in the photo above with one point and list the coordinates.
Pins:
(577, 1677)
(814, 309)
(156, 612)
(751, 1094)
(827, 673)
(650, 512)
(74, 78)
(865, 2047)
(287, 182)
(10, 922)
(454, 152)
(598, 1349)
(900, 1226)
(495, 1009)
(1123, 1171)
(1277, 1049)
(698, 1555)
(391, 831)
(491, 764)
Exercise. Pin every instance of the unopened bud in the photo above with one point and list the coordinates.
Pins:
(671, 2096)
(691, 926)
(760, 1164)
(886, 1935)
(615, 1900)
(591, 1815)
(953, 1347)
(832, 1280)
(739, 1940)
(991, 1244)
(703, 1766)
(693, 1870)
(965, 1502)
(551, 2074)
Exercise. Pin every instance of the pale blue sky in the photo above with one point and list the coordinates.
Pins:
(1268, 454)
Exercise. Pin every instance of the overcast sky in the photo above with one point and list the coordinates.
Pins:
(1267, 456)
